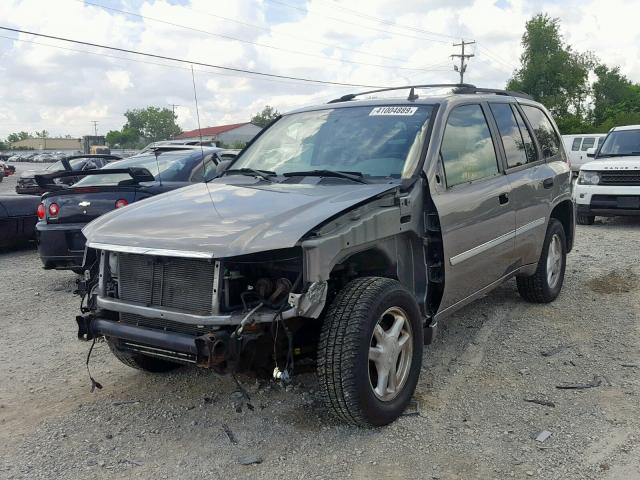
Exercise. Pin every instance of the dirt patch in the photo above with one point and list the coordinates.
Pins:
(616, 281)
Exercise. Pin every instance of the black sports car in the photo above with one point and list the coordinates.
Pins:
(17, 219)
(65, 210)
(75, 163)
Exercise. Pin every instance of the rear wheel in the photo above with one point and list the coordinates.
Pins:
(585, 219)
(370, 352)
(139, 361)
(545, 285)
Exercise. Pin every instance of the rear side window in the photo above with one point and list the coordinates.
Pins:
(575, 146)
(543, 130)
(467, 149)
(588, 143)
(515, 137)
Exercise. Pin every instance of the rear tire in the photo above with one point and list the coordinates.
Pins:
(543, 286)
(139, 361)
(371, 334)
(585, 219)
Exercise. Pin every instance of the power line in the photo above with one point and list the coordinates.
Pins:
(278, 2)
(387, 22)
(236, 39)
(146, 62)
(191, 62)
(463, 58)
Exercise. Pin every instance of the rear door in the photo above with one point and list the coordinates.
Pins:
(535, 183)
(477, 219)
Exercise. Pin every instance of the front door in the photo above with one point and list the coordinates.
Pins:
(477, 221)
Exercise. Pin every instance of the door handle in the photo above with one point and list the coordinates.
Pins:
(547, 183)
(503, 198)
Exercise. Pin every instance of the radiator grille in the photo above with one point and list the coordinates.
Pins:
(620, 177)
(184, 284)
(161, 324)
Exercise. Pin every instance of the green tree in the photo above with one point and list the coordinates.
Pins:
(614, 97)
(265, 117)
(16, 137)
(125, 138)
(152, 123)
(553, 74)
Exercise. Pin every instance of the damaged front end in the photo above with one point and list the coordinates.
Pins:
(236, 313)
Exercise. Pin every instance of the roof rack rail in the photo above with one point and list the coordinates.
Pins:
(412, 96)
(496, 91)
(459, 88)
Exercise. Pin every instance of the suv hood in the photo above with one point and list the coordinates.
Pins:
(614, 163)
(221, 220)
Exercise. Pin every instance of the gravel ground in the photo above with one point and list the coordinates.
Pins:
(470, 418)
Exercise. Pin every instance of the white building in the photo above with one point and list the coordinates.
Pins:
(228, 134)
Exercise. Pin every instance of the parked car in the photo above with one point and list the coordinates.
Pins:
(609, 185)
(5, 168)
(77, 163)
(576, 147)
(17, 219)
(344, 233)
(65, 210)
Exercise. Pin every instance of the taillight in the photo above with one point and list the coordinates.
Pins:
(121, 203)
(54, 210)
(40, 211)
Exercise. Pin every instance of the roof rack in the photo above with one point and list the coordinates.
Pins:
(459, 88)
(496, 91)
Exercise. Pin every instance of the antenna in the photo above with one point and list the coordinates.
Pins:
(195, 97)
(156, 151)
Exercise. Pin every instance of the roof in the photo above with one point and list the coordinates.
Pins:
(626, 127)
(211, 130)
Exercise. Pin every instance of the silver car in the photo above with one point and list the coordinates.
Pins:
(341, 235)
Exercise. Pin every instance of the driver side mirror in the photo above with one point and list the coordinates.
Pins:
(222, 166)
(591, 152)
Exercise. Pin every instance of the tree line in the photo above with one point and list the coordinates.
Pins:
(557, 76)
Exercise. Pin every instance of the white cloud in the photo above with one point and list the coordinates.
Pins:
(63, 91)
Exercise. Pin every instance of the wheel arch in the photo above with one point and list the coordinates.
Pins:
(564, 212)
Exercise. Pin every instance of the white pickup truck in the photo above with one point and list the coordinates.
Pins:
(610, 184)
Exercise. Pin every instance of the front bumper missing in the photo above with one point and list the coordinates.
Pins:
(212, 350)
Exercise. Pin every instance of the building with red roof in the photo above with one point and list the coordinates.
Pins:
(227, 134)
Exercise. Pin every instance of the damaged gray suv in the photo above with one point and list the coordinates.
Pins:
(338, 238)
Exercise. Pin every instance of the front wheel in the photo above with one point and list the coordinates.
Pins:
(544, 286)
(370, 352)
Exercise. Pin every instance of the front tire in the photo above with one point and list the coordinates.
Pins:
(585, 219)
(544, 286)
(370, 352)
(139, 361)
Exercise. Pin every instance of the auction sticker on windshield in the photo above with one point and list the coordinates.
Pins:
(393, 111)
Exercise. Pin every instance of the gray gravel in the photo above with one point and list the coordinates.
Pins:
(470, 419)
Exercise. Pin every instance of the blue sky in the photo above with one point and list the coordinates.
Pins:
(380, 42)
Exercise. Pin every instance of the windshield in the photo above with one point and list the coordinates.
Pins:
(54, 167)
(620, 143)
(382, 141)
(170, 167)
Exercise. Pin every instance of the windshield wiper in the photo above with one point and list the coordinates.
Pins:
(264, 174)
(353, 176)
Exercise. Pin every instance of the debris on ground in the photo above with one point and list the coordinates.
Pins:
(230, 434)
(543, 435)
(124, 402)
(546, 403)
(250, 460)
(596, 382)
(554, 350)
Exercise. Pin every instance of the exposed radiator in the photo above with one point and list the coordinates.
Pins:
(184, 284)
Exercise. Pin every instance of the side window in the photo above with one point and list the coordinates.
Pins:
(529, 147)
(600, 140)
(575, 146)
(512, 140)
(588, 143)
(467, 149)
(543, 130)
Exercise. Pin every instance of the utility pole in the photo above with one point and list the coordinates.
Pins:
(463, 57)
(95, 127)
(173, 110)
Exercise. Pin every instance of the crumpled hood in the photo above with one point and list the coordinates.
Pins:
(613, 163)
(224, 220)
